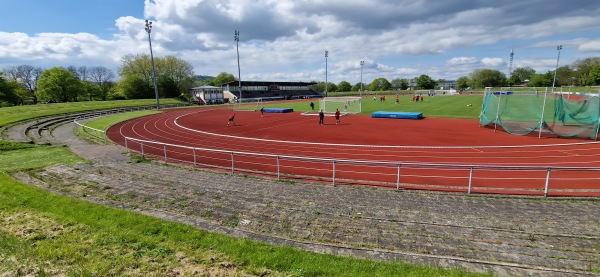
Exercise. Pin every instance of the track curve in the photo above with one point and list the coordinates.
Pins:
(452, 145)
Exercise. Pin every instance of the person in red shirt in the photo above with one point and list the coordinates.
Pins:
(337, 116)
(231, 119)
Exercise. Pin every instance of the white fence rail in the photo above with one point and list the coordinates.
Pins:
(100, 134)
(527, 180)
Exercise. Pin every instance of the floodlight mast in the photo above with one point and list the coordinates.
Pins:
(559, 47)
(362, 63)
(149, 30)
(326, 84)
(237, 40)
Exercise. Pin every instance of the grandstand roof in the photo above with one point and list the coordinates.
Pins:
(267, 83)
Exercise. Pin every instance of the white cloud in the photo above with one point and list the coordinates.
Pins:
(458, 61)
(493, 62)
(286, 39)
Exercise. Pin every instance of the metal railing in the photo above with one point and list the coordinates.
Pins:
(101, 134)
(526, 180)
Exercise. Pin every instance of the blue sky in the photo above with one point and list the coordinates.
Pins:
(285, 40)
(66, 16)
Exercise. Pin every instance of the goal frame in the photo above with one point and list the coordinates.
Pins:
(345, 104)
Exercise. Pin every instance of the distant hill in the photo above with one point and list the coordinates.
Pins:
(202, 78)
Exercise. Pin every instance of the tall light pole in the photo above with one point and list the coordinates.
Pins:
(237, 41)
(326, 84)
(558, 58)
(149, 30)
(362, 63)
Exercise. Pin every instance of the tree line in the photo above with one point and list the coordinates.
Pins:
(24, 84)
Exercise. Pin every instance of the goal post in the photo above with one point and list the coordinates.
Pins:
(343, 104)
(253, 104)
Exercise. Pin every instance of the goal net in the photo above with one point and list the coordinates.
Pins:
(251, 104)
(523, 112)
(343, 104)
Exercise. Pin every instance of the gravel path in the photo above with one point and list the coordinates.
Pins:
(504, 235)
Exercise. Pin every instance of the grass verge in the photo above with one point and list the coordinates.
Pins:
(43, 234)
(105, 122)
(18, 113)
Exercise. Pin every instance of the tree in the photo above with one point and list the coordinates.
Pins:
(565, 76)
(401, 84)
(140, 66)
(320, 87)
(7, 92)
(27, 75)
(582, 68)
(357, 87)
(167, 87)
(462, 83)
(594, 76)
(331, 87)
(481, 78)
(425, 82)
(523, 73)
(134, 87)
(519, 75)
(59, 84)
(90, 91)
(102, 76)
(541, 80)
(344, 86)
(83, 73)
(221, 79)
(380, 84)
(179, 71)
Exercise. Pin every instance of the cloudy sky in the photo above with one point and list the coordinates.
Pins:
(285, 40)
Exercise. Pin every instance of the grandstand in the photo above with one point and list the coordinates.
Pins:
(270, 91)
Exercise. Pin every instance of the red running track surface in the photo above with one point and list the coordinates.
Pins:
(440, 141)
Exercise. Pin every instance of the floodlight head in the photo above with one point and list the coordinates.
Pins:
(559, 47)
(236, 35)
(362, 63)
(148, 26)
(326, 53)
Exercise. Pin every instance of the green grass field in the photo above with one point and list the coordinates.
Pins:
(456, 106)
(46, 234)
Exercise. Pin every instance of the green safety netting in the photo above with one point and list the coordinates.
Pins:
(521, 113)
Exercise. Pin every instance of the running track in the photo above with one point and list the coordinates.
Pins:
(431, 154)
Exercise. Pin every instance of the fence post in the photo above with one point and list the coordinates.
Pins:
(278, 168)
(470, 180)
(547, 182)
(333, 177)
(126, 147)
(142, 148)
(165, 151)
(398, 178)
(232, 164)
(194, 151)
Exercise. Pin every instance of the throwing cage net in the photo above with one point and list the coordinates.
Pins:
(343, 104)
(524, 112)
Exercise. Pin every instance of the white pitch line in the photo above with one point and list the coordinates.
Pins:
(377, 146)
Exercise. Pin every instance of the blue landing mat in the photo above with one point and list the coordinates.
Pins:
(397, 115)
(278, 110)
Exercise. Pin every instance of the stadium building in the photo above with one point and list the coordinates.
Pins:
(269, 91)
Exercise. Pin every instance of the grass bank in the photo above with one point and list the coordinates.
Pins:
(18, 113)
(46, 234)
